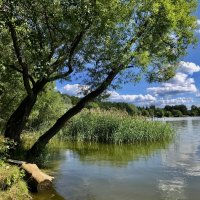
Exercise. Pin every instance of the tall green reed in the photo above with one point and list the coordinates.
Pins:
(115, 127)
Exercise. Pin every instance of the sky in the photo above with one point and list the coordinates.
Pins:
(183, 88)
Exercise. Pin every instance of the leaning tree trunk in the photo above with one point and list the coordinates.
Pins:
(18, 119)
(44, 139)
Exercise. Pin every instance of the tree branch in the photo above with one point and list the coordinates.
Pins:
(69, 56)
(20, 71)
(44, 139)
(20, 58)
(61, 75)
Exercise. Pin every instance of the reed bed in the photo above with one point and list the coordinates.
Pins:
(116, 128)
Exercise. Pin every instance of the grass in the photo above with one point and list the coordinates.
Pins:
(109, 127)
(12, 185)
(116, 128)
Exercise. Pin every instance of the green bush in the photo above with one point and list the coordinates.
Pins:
(5, 146)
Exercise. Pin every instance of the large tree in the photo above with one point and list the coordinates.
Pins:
(107, 42)
(40, 40)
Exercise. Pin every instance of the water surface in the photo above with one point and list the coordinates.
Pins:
(161, 171)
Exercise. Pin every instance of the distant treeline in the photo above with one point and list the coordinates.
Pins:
(150, 111)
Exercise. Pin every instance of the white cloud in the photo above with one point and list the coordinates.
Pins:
(181, 83)
(74, 90)
(198, 26)
(188, 67)
(175, 101)
(167, 89)
(116, 97)
(71, 89)
(172, 92)
(198, 94)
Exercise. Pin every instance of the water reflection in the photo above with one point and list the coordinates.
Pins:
(172, 189)
(182, 159)
(115, 155)
(50, 195)
(161, 171)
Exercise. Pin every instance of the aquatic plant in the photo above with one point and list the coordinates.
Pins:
(115, 127)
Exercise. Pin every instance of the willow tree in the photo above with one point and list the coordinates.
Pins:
(107, 42)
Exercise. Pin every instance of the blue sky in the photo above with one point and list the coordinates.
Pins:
(184, 88)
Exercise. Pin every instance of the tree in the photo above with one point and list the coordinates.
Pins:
(177, 113)
(49, 106)
(159, 112)
(110, 42)
(168, 114)
(11, 92)
(195, 111)
(151, 112)
(182, 108)
(145, 113)
(46, 41)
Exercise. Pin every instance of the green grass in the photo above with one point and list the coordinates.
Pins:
(12, 185)
(116, 128)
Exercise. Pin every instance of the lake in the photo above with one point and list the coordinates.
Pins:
(162, 171)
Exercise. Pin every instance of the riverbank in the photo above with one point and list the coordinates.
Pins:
(12, 185)
(91, 126)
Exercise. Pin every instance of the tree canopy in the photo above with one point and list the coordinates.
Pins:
(105, 42)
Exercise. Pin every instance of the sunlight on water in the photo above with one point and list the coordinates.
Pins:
(162, 171)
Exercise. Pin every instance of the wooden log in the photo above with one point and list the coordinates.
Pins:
(38, 179)
(16, 162)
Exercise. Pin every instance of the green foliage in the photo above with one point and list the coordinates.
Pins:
(120, 106)
(145, 113)
(11, 93)
(133, 32)
(168, 114)
(159, 112)
(5, 146)
(50, 106)
(177, 113)
(12, 185)
(48, 40)
(92, 105)
(195, 111)
(151, 111)
(115, 127)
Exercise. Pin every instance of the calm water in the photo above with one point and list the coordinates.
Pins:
(153, 172)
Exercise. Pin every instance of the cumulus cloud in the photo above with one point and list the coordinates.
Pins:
(188, 67)
(172, 92)
(116, 97)
(74, 89)
(198, 26)
(198, 94)
(175, 101)
(181, 83)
